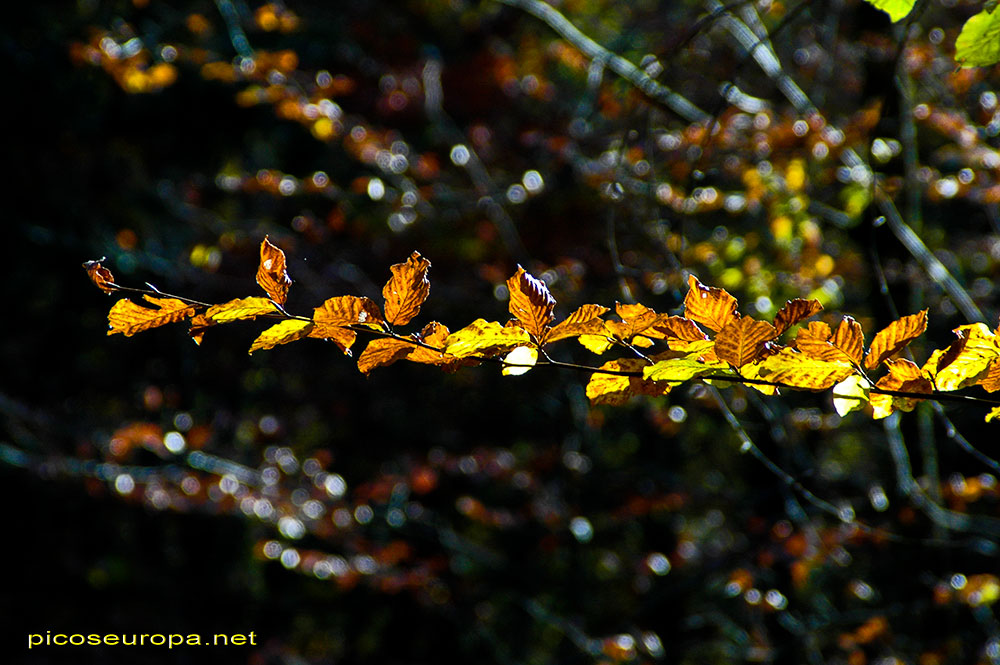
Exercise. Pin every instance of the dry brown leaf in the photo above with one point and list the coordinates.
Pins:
(710, 306)
(894, 337)
(342, 337)
(584, 321)
(406, 290)
(100, 276)
(741, 341)
(382, 352)
(531, 303)
(128, 318)
(794, 311)
(903, 376)
(348, 311)
(272, 275)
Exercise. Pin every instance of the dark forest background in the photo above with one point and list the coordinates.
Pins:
(412, 516)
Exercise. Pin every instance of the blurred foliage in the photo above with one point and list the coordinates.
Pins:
(496, 519)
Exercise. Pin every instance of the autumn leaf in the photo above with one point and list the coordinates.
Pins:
(894, 337)
(100, 276)
(752, 371)
(794, 311)
(993, 414)
(584, 321)
(799, 370)
(484, 337)
(903, 376)
(406, 290)
(677, 327)
(282, 333)
(520, 361)
(385, 351)
(613, 389)
(741, 340)
(597, 344)
(635, 318)
(966, 360)
(240, 308)
(896, 9)
(679, 370)
(531, 303)
(342, 337)
(850, 339)
(382, 352)
(272, 275)
(710, 306)
(128, 318)
(344, 311)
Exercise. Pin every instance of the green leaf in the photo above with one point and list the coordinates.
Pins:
(896, 9)
(978, 45)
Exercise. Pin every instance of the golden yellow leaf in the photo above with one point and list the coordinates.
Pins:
(851, 394)
(128, 318)
(484, 337)
(903, 376)
(679, 370)
(240, 308)
(520, 361)
(741, 340)
(993, 414)
(677, 327)
(800, 370)
(584, 321)
(100, 276)
(281, 333)
(348, 311)
(710, 306)
(342, 337)
(531, 303)
(794, 311)
(595, 343)
(990, 381)
(894, 337)
(272, 275)
(966, 361)
(636, 318)
(752, 371)
(615, 389)
(406, 290)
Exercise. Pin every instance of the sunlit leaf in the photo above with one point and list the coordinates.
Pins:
(272, 275)
(281, 333)
(595, 343)
(635, 318)
(799, 370)
(483, 336)
(966, 361)
(741, 340)
(100, 276)
(794, 311)
(343, 337)
(903, 376)
(406, 290)
(679, 370)
(347, 311)
(850, 339)
(710, 306)
(896, 9)
(584, 321)
(240, 308)
(677, 327)
(382, 352)
(616, 390)
(531, 303)
(752, 372)
(978, 44)
(993, 414)
(520, 361)
(851, 394)
(128, 318)
(894, 337)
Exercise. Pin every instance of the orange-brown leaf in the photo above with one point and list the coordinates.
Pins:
(199, 325)
(677, 327)
(531, 303)
(342, 337)
(615, 390)
(740, 341)
(708, 305)
(894, 337)
(850, 339)
(382, 352)
(128, 318)
(584, 321)
(406, 290)
(903, 376)
(635, 319)
(794, 311)
(272, 275)
(348, 311)
(100, 276)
